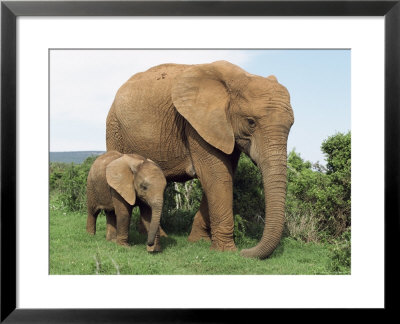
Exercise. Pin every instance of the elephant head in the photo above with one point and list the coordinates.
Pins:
(229, 107)
(131, 175)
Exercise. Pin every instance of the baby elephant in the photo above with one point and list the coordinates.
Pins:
(117, 182)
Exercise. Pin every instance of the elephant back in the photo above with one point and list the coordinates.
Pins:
(160, 72)
(144, 120)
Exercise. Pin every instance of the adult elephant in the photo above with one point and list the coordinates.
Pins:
(194, 121)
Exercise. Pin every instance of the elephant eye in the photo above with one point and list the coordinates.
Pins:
(251, 122)
(143, 186)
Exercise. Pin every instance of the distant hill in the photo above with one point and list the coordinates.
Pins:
(74, 156)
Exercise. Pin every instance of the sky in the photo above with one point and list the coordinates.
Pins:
(83, 84)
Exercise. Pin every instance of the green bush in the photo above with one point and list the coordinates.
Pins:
(341, 253)
(248, 197)
(240, 231)
(181, 202)
(183, 196)
(318, 200)
(337, 149)
(177, 221)
(306, 199)
(56, 172)
(70, 182)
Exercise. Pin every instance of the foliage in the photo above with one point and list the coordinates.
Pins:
(302, 226)
(70, 181)
(182, 196)
(305, 199)
(177, 221)
(341, 253)
(240, 231)
(56, 172)
(337, 149)
(248, 197)
(181, 202)
(318, 203)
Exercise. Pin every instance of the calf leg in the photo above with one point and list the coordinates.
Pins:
(91, 220)
(123, 213)
(111, 234)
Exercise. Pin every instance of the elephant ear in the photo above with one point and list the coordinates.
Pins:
(120, 175)
(201, 97)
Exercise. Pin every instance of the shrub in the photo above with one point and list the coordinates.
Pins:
(318, 200)
(341, 253)
(248, 197)
(177, 221)
(305, 199)
(302, 225)
(240, 232)
(71, 184)
(183, 196)
(337, 149)
(181, 202)
(56, 172)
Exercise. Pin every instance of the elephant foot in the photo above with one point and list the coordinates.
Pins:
(91, 232)
(111, 237)
(219, 246)
(153, 248)
(199, 234)
(198, 238)
(124, 244)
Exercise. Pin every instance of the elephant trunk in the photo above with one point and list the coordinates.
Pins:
(272, 163)
(156, 211)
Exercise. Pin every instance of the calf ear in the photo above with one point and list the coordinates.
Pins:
(120, 176)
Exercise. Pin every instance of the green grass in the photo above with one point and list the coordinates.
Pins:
(73, 251)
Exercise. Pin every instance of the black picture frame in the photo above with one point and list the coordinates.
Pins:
(10, 10)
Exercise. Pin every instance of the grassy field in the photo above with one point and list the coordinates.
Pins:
(73, 251)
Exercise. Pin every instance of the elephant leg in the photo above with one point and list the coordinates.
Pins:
(141, 227)
(145, 215)
(91, 220)
(123, 213)
(201, 223)
(111, 234)
(220, 199)
(215, 172)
